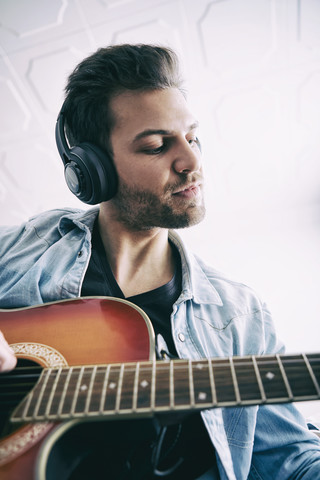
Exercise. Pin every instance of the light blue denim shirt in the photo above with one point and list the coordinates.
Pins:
(46, 259)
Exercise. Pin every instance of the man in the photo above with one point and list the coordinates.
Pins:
(125, 105)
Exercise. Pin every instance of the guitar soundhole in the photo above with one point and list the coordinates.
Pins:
(14, 386)
(112, 450)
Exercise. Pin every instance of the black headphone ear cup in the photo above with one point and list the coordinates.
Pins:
(89, 171)
(90, 174)
(74, 178)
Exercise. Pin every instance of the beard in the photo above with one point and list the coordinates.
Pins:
(144, 210)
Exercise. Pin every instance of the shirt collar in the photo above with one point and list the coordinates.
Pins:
(82, 219)
(195, 283)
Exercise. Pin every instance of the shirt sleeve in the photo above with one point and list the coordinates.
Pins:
(284, 448)
(8, 237)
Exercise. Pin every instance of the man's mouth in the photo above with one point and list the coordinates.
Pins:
(188, 191)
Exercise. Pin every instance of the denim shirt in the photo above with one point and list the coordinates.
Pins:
(46, 259)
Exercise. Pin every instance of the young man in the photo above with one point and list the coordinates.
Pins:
(128, 102)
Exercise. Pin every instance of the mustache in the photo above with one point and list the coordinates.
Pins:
(185, 179)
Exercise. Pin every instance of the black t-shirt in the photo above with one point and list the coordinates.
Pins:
(189, 440)
(157, 303)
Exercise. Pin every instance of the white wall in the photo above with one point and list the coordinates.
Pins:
(253, 75)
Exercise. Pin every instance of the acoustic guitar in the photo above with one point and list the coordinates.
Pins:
(93, 359)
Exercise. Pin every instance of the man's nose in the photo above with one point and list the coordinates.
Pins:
(187, 157)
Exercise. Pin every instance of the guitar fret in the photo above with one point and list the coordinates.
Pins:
(64, 392)
(224, 381)
(128, 385)
(58, 389)
(246, 374)
(153, 386)
(163, 387)
(118, 395)
(191, 384)
(83, 390)
(312, 375)
(272, 378)
(50, 386)
(235, 382)
(181, 384)
(135, 388)
(259, 380)
(90, 389)
(145, 381)
(212, 383)
(104, 389)
(284, 376)
(25, 407)
(171, 385)
(201, 383)
(71, 395)
(80, 394)
(53, 390)
(75, 393)
(22, 409)
(98, 377)
(34, 411)
(111, 389)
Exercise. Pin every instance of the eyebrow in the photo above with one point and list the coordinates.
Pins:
(150, 131)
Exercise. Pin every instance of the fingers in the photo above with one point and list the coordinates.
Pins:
(8, 359)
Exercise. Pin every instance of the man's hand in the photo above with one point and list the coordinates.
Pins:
(8, 359)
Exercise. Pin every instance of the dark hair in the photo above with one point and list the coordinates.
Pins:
(106, 73)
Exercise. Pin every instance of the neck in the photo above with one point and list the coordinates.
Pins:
(140, 260)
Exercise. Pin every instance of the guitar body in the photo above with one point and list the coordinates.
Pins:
(72, 332)
(99, 359)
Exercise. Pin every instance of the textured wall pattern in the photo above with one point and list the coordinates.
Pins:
(252, 68)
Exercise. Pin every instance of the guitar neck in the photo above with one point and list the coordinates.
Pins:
(145, 388)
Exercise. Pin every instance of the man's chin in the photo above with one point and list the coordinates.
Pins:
(193, 216)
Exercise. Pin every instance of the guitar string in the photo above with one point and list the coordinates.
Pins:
(30, 374)
(34, 372)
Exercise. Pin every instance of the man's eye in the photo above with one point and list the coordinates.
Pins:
(195, 141)
(154, 151)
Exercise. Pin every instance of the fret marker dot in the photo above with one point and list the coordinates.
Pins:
(112, 385)
(270, 375)
(144, 383)
(83, 388)
(202, 396)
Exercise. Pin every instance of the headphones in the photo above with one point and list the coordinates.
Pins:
(89, 172)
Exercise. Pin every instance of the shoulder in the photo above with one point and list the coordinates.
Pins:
(221, 280)
(53, 218)
(47, 226)
(231, 291)
(209, 285)
(54, 215)
(242, 315)
(229, 307)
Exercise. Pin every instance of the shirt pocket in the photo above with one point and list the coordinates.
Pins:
(225, 332)
(212, 317)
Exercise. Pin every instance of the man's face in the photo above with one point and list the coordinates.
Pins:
(158, 160)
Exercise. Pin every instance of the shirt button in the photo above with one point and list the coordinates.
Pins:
(80, 254)
(181, 337)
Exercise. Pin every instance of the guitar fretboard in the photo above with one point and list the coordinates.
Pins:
(146, 388)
